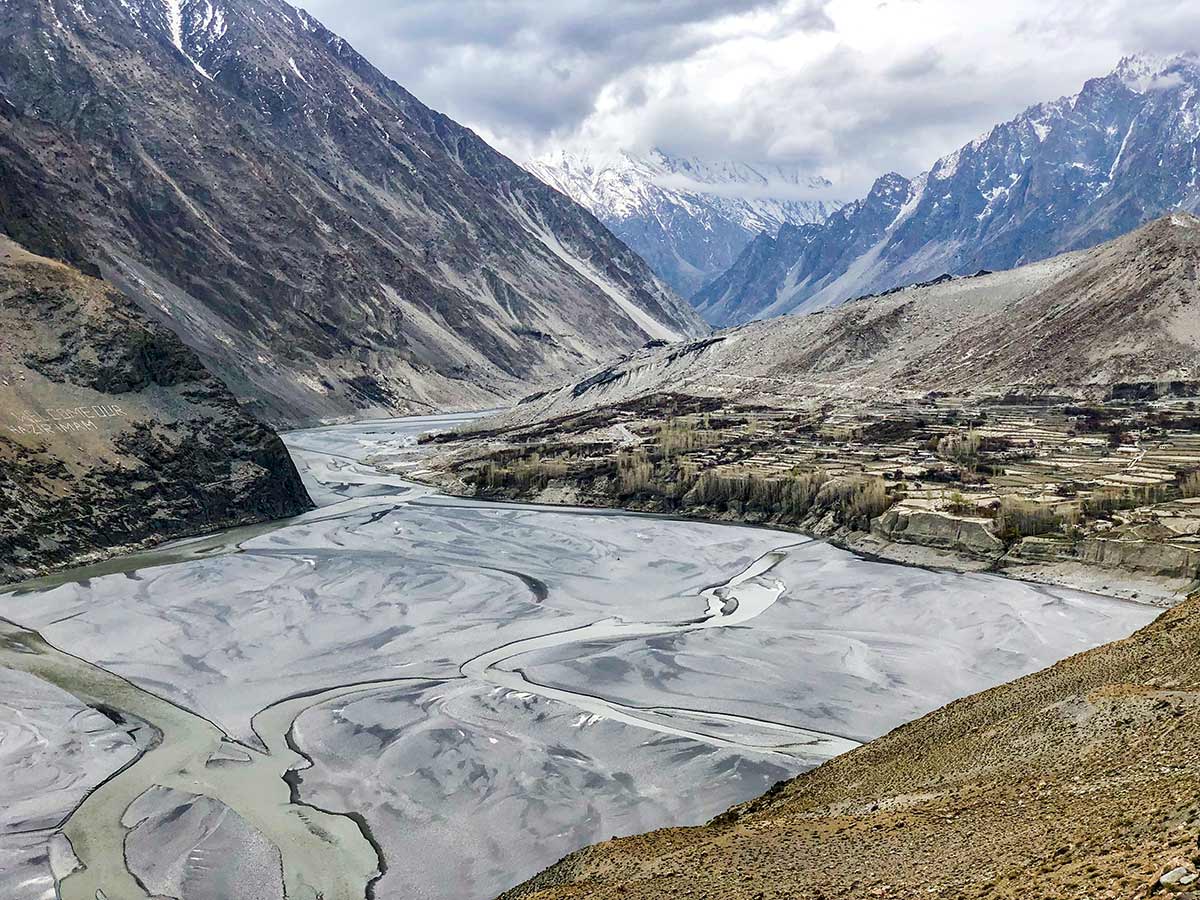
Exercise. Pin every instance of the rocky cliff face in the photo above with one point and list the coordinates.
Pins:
(329, 245)
(112, 432)
(688, 218)
(1061, 176)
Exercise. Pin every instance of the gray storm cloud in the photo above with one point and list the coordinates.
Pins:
(845, 88)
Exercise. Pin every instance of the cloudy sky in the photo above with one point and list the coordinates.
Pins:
(845, 88)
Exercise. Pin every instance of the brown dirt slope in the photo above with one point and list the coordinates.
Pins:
(112, 432)
(1078, 781)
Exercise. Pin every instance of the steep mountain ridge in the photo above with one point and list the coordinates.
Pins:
(689, 218)
(1076, 324)
(1061, 176)
(328, 244)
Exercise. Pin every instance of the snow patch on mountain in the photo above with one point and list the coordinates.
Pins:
(296, 69)
(210, 26)
(175, 23)
(175, 29)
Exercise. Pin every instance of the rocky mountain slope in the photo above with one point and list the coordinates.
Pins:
(690, 219)
(1076, 324)
(1061, 176)
(329, 245)
(1078, 781)
(112, 432)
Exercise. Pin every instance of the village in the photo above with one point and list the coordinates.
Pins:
(1097, 494)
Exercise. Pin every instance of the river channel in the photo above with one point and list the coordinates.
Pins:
(407, 695)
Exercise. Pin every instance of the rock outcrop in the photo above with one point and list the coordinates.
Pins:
(112, 432)
(939, 531)
(1159, 558)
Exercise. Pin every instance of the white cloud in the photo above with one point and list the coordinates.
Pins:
(847, 88)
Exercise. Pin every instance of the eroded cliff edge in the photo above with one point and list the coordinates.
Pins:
(112, 432)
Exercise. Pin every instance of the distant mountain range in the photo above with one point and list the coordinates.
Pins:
(1063, 175)
(688, 218)
(330, 246)
(1078, 324)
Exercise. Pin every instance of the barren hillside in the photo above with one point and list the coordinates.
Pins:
(1125, 312)
(329, 245)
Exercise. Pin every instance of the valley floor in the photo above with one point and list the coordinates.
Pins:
(435, 698)
(1078, 781)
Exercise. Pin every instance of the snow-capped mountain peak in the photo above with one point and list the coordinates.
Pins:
(1147, 72)
(688, 217)
(1062, 175)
